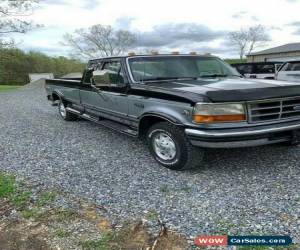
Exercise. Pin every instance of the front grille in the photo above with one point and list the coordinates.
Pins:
(274, 110)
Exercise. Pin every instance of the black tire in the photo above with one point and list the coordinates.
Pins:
(289, 144)
(64, 114)
(186, 156)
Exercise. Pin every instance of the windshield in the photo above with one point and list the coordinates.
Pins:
(178, 67)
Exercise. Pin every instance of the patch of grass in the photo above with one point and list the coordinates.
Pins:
(100, 244)
(65, 214)
(33, 213)
(8, 87)
(10, 190)
(46, 198)
(7, 185)
(20, 199)
(62, 233)
(151, 215)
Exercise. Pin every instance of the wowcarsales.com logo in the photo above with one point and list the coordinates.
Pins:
(243, 240)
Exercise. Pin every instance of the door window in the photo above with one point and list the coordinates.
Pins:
(287, 67)
(296, 67)
(245, 69)
(265, 69)
(109, 75)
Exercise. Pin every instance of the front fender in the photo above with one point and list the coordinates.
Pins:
(163, 116)
(176, 113)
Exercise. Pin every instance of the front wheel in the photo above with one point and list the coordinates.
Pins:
(170, 147)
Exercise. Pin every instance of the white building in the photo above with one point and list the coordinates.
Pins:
(37, 76)
(282, 53)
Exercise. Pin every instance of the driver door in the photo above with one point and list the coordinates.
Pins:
(111, 100)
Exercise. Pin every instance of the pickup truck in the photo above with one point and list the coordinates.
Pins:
(181, 104)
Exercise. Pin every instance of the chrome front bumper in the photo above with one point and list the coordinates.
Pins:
(244, 137)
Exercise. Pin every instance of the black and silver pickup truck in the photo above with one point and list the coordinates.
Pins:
(181, 104)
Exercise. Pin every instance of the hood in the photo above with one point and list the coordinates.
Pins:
(233, 89)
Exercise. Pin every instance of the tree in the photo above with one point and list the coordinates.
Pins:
(246, 40)
(11, 13)
(99, 40)
(16, 65)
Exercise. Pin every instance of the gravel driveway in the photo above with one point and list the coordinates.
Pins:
(240, 191)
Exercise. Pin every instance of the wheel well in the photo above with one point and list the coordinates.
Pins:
(55, 97)
(147, 122)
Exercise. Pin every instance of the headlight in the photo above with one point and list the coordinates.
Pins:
(212, 112)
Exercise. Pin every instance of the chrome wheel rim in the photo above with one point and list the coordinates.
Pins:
(62, 110)
(164, 146)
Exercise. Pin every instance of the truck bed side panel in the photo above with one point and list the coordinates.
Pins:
(67, 89)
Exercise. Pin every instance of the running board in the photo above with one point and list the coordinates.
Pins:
(74, 111)
(112, 125)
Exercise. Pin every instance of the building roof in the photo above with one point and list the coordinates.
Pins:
(290, 47)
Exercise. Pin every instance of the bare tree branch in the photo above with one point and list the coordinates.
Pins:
(99, 40)
(11, 13)
(246, 40)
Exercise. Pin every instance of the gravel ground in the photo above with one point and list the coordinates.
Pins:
(236, 191)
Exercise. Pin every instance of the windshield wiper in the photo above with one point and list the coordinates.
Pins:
(167, 78)
(213, 75)
(216, 75)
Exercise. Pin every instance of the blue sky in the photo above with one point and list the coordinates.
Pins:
(190, 25)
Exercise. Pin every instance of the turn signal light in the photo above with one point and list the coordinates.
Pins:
(218, 118)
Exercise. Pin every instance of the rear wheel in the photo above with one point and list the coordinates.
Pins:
(64, 113)
(170, 147)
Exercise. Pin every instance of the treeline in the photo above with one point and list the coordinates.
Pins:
(230, 61)
(15, 65)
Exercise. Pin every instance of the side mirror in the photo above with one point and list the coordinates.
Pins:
(107, 77)
(87, 76)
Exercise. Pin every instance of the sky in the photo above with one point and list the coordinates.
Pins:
(165, 25)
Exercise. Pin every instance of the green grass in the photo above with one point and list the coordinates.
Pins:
(20, 199)
(65, 214)
(46, 198)
(152, 215)
(11, 191)
(62, 233)
(8, 87)
(237, 60)
(33, 213)
(7, 185)
(101, 244)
